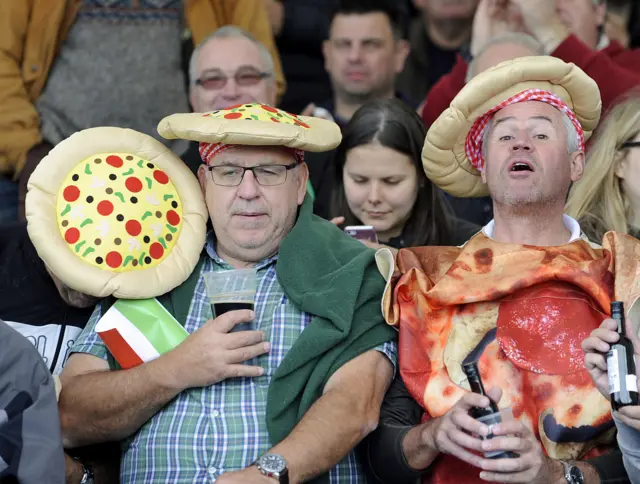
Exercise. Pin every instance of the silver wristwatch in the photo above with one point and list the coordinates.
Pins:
(572, 473)
(87, 472)
(273, 465)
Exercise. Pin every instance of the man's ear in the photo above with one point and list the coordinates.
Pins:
(577, 165)
(403, 48)
(193, 98)
(202, 177)
(326, 48)
(483, 175)
(302, 179)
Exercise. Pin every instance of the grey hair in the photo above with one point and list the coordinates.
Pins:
(227, 32)
(511, 38)
(573, 141)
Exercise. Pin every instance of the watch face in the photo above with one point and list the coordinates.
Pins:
(576, 475)
(272, 463)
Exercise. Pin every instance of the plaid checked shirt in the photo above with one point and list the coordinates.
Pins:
(205, 432)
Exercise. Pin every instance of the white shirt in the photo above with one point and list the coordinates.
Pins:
(570, 224)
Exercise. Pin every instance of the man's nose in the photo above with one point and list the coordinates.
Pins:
(248, 188)
(231, 89)
(522, 142)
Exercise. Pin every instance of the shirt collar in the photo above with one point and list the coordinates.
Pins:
(570, 224)
(210, 247)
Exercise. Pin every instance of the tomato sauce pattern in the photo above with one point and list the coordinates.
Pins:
(119, 212)
(536, 304)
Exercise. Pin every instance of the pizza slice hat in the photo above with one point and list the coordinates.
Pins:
(452, 155)
(114, 212)
(252, 124)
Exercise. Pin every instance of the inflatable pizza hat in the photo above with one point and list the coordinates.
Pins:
(114, 212)
(452, 155)
(253, 124)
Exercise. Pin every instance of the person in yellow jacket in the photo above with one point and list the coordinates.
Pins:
(67, 65)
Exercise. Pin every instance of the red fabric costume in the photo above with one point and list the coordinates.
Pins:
(615, 69)
(523, 311)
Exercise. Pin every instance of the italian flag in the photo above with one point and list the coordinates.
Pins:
(139, 330)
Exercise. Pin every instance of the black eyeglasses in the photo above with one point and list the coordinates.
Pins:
(265, 175)
(630, 144)
(245, 76)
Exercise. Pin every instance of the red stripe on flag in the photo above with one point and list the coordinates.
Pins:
(120, 349)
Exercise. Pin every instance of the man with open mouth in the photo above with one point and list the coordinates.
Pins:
(517, 299)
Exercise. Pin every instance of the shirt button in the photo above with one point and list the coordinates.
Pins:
(215, 414)
(34, 68)
(212, 470)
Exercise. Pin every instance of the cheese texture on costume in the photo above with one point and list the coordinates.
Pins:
(258, 112)
(119, 212)
(522, 312)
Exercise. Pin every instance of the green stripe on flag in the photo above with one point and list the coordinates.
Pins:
(154, 321)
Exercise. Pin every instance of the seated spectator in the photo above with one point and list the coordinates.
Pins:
(441, 30)
(571, 32)
(516, 301)
(30, 440)
(67, 66)
(35, 302)
(229, 67)
(627, 419)
(300, 29)
(292, 396)
(379, 180)
(608, 196)
(363, 55)
(365, 52)
(618, 21)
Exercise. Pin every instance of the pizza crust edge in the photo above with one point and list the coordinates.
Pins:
(42, 224)
(322, 135)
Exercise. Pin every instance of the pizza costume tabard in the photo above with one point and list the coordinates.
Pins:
(521, 311)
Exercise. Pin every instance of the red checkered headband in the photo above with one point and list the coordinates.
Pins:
(473, 144)
(209, 150)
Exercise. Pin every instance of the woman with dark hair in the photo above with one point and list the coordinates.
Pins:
(379, 181)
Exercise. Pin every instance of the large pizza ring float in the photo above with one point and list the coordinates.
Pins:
(114, 212)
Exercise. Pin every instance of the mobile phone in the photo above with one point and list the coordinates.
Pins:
(362, 232)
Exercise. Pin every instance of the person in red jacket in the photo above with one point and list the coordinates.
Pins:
(568, 29)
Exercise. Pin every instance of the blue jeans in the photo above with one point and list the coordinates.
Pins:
(8, 201)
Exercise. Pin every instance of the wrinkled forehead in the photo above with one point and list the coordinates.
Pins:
(254, 155)
(229, 54)
(528, 110)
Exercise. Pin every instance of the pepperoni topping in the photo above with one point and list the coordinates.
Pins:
(300, 123)
(269, 108)
(275, 120)
(133, 184)
(156, 250)
(72, 235)
(133, 227)
(233, 116)
(105, 207)
(114, 259)
(173, 218)
(115, 161)
(71, 193)
(161, 177)
(234, 106)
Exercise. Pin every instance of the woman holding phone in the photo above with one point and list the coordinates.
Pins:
(379, 181)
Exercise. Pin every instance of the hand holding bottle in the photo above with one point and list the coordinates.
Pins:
(609, 359)
(595, 349)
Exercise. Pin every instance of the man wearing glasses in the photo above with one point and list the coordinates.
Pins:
(229, 67)
(287, 400)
